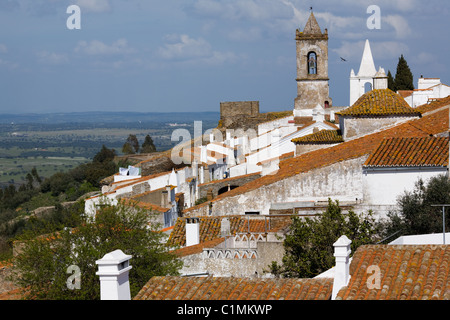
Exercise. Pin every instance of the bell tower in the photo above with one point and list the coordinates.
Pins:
(312, 69)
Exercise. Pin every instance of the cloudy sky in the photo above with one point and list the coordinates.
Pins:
(189, 55)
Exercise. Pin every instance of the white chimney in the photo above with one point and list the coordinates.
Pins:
(192, 231)
(113, 271)
(342, 269)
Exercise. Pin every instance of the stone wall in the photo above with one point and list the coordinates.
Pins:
(215, 186)
(235, 262)
(342, 181)
(354, 127)
(234, 108)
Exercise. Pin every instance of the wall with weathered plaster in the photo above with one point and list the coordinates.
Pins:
(352, 127)
(224, 262)
(341, 181)
(382, 186)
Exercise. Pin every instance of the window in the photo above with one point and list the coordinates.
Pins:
(312, 63)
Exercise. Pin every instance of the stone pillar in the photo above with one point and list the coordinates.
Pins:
(113, 271)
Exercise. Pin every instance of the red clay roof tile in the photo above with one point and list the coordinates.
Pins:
(407, 272)
(224, 288)
(414, 152)
(379, 102)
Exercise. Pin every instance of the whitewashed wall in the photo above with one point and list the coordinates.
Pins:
(383, 186)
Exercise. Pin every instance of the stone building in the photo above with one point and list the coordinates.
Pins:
(312, 68)
(375, 110)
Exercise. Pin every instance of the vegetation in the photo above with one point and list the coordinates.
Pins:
(403, 77)
(16, 204)
(148, 146)
(309, 244)
(43, 263)
(416, 214)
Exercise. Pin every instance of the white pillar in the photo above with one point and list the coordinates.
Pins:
(113, 271)
(342, 269)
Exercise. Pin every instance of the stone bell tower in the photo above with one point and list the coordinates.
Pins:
(312, 69)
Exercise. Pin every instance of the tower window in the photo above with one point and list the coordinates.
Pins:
(312, 63)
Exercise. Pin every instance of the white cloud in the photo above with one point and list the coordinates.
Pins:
(184, 48)
(94, 5)
(400, 24)
(3, 48)
(52, 58)
(96, 47)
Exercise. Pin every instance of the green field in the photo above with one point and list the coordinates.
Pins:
(57, 143)
(14, 170)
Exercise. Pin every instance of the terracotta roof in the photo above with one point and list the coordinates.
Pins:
(379, 102)
(230, 288)
(431, 124)
(407, 272)
(323, 136)
(411, 152)
(229, 179)
(198, 248)
(210, 227)
(144, 205)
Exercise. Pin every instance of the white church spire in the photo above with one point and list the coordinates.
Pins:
(367, 67)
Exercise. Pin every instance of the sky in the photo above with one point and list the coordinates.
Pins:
(190, 55)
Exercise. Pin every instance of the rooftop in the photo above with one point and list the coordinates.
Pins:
(322, 136)
(210, 227)
(230, 288)
(407, 272)
(379, 102)
(431, 124)
(411, 152)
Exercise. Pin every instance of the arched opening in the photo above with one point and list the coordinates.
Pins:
(367, 87)
(225, 189)
(326, 104)
(312, 63)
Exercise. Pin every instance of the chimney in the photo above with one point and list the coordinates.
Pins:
(225, 228)
(192, 231)
(342, 269)
(113, 271)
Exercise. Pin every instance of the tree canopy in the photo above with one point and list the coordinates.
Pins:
(415, 214)
(309, 243)
(403, 77)
(42, 266)
(148, 146)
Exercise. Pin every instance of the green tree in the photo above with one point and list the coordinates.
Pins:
(148, 145)
(309, 243)
(415, 214)
(403, 76)
(391, 83)
(131, 146)
(104, 154)
(42, 265)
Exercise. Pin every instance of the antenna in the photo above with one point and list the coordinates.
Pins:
(443, 218)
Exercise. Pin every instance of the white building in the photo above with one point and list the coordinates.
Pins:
(368, 77)
(427, 89)
(398, 163)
